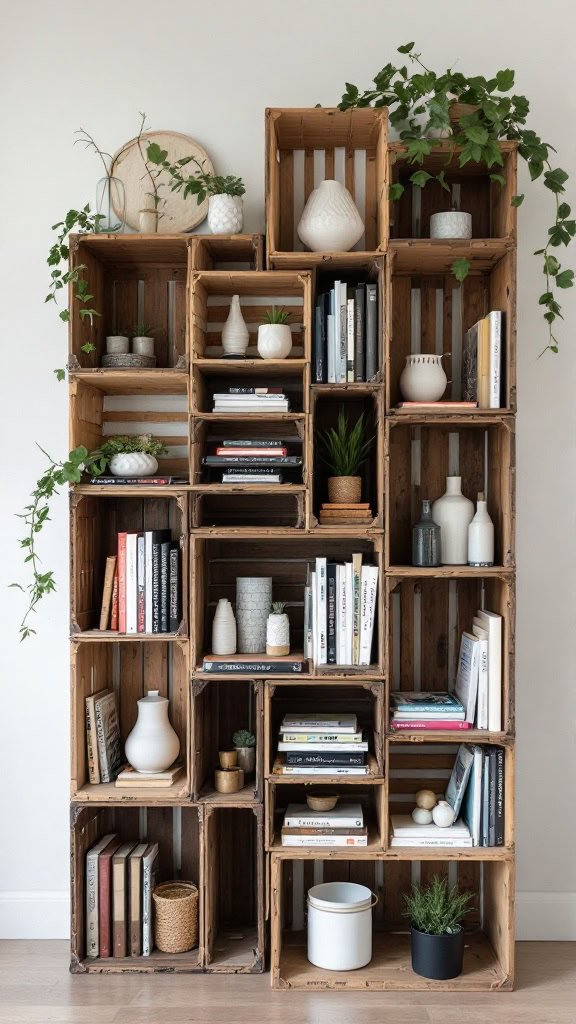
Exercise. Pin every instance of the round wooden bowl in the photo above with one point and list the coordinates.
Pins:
(228, 780)
(322, 801)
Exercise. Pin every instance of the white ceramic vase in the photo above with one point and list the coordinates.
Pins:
(235, 332)
(225, 214)
(152, 746)
(330, 221)
(453, 512)
(116, 344)
(148, 221)
(143, 346)
(224, 629)
(253, 603)
(274, 341)
(133, 464)
(278, 635)
(443, 814)
(423, 378)
(481, 536)
(451, 224)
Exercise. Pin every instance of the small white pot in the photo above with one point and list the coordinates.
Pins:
(274, 341)
(423, 378)
(277, 635)
(117, 343)
(451, 224)
(148, 221)
(143, 346)
(152, 746)
(133, 464)
(225, 214)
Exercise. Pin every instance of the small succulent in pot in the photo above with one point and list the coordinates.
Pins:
(142, 339)
(345, 450)
(245, 746)
(275, 336)
(278, 631)
(436, 911)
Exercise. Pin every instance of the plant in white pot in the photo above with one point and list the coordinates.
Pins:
(344, 451)
(142, 339)
(225, 205)
(245, 746)
(275, 336)
(278, 631)
(132, 456)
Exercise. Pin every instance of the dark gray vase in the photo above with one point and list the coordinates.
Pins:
(426, 539)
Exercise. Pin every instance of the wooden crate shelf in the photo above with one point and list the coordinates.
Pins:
(227, 252)
(370, 794)
(219, 708)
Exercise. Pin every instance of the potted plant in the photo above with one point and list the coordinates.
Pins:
(278, 631)
(142, 340)
(344, 450)
(437, 937)
(275, 336)
(225, 206)
(132, 456)
(245, 746)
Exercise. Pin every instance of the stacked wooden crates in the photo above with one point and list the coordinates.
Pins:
(230, 844)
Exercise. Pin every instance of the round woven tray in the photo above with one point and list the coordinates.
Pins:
(176, 916)
(128, 361)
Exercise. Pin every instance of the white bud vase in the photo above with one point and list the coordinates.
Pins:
(253, 603)
(330, 221)
(443, 814)
(423, 378)
(224, 629)
(453, 513)
(225, 214)
(152, 746)
(235, 332)
(481, 536)
(278, 635)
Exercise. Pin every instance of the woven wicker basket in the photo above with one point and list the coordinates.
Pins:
(176, 916)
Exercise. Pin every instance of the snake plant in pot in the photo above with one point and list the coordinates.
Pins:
(437, 937)
(344, 450)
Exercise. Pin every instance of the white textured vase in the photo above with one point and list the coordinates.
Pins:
(224, 629)
(481, 536)
(274, 341)
(133, 464)
(225, 214)
(278, 635)
(451, 224)
(253, 603)
(117, 343)
(143, 346)
(423, 378)
(152, 746)
(453, 513)
(330, 221)
(235, 332)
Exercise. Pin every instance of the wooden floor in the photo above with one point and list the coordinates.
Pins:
(35, 987)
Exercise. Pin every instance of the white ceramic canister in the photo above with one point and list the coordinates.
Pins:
(481, 536)
(340, 925)
(152, 746)
(451, 224)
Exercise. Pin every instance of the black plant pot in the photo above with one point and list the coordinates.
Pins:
(437, 956)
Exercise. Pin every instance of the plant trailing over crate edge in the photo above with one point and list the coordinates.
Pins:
(422, 103)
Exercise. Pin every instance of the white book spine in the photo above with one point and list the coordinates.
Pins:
(321, 821)
(349, 584)
(482, 702)
(324, 840)
(292, 769)
(322, 615)
(132, 583)
(334, 748)
(493, 623)
(350, 337)
(443, 842)
(314, 610)
(148, 582)
(141, 574)
(341, 615)
(368, 592)
(495, 321)
(307, 638)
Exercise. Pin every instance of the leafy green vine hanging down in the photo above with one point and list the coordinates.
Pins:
(421, 104)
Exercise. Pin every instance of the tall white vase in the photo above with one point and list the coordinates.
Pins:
(224, 629)
(453, 513)
(235, 332)
(152, 746)
(278, 634)
(481, 536)
(253, 603)
(330, 221)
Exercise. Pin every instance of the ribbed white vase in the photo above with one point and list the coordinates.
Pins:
(133, 464)
(225, 214)
(253, 603)
(330, 221)
(235, 332)
(224, 629)
(453, 513)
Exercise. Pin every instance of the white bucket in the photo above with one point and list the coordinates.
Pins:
(340, 925)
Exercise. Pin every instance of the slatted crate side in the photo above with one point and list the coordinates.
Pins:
(498, 893)
(227, 252)
(303, 147)
(401, 875)
(220, 708)
(208, 435)
(80, 331)
(165, 416)
(237, 510)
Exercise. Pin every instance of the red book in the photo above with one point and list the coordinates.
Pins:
(105, 897)
(114, 613)
(252, 451)
(438, 724)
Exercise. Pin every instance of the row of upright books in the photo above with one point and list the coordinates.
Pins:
(321, 744)
(346, 334)
(344, 825)
(340, 611)
(141, 591)
(249, 399)
(254, 460)
(120, 880)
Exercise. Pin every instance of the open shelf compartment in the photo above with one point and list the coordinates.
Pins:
(371, 795)
(220, 708)
(227, 252)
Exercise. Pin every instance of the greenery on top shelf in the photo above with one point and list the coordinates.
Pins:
(278, 607)
(344, 449)
(199, 184)
(437, 908)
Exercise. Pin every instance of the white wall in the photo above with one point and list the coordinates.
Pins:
(210, 70)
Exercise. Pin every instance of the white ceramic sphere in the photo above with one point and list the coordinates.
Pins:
(422, 816)
(426, 798)
(443, 814)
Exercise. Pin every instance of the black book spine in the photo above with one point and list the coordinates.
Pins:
(320, 373)
(492, 798)
(252, 667)
(331, 611)
(260, 443)
(156, 546)
(174, 588)
(325, 759)
(499, 797)
(359, 327)
(252, 460)
(371, 320)
(164, 586)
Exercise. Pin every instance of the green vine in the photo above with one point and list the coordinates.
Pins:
(199, 184)
(421, 104)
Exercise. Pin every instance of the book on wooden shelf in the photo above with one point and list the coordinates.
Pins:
(135, 898)
(483, 369)
(406, 832)
(318, 830)
(336, 748)
(244, 664)
(322, 737)
(483, 803)
(345, 636)
(251, 391)
(158, 481)
(479, 676)
(346, 814)
(120, 898)
(324, 840)
(318, 722)
(281, 768)
(440, 406)
(221, 461)
(251, 450)
(93, 758)
(109, 573)
(264, 403)
(252, 478)
(146, 597)
(345, 334)
(92, 901)
(267, 442)
(107, 736)
(149, 872)
(433, 723)
(326, 758)
(466, 686)
(422, 710)
(459, 778)
(105, 897)
(129, 778)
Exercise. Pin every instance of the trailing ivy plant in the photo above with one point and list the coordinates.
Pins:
(199, 184)
(421, 104)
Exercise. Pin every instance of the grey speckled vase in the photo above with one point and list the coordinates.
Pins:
(426, 539)
(253, 604)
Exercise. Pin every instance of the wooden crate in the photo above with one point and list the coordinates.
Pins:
(96, 521)
(130, 668)
(179, 834)
(371, 793)
(227, 252)
(305, 146)
(234, 936)
(219, 708)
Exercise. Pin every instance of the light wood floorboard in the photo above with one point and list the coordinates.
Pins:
(35, 988)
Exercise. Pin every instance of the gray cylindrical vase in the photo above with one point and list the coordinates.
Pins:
(426, 539)
(253, 604)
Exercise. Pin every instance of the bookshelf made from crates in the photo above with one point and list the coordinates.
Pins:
(252, 890)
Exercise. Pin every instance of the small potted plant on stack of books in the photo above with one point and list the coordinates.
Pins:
(344, 450)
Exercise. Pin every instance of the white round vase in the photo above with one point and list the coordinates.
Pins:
(235, 332)
(278, 635)
(133, 464)
(117, 344)
(443, 814)
(453, 512)
(330, 221)
(225, 214)
(451, 224)
(274, 341)
(422, 816)
(253, 603)
(423, 378)
(143, 346)
(152, 746)
(224, 629)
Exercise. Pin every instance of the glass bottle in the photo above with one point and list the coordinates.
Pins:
(110, 204)
(426, 548)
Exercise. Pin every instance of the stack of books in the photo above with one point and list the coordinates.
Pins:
(483, 362)
(253, 664)
(479, 678)
(318, 744)
(346, 334)
(406, 832)
(141, 591)
(251, 400)
(103, 747)
(120, 880)
(343, 826)
(339, 612)
(256, 460)
(419, 710)
(332, 514)
(129, 778)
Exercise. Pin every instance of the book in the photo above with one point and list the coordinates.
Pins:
(269, 442)
(459, 778)
(491, 797)
(120, 898)
(114, 609)
(356, 584)
(359, 328)
(131, 583)
(350, 339)
(470, 365)
(255, 478)
(135, 898)
(341, 605)
(324, 840)
(318, 722)
(472, 804)
(320, 367)
(249, 396)
(361, 831)
(156, 586)
(281, 768)
(345, 814)
(431, 724)
(335, 748)
(122, 582)
(331, 612)
(483, 385)
(368, 593)
(466, 686)
(92, 737)
(92, 903)
(482, 698)
(132, 480)
(439, 841)
(244, 664)
(307, 619)
(107, 591)
(342, 351)
(403, 827)
(251, 460)
(236, 406)
(349, 585)
(436, 406)
(141, 584)
(499, 798)
(331, 341)
(485, 820)
(151, 537)
(250, 391)
(128, 778)
(108, 736)
(321, 737)
(419, 702)
(428, 716)
(247, 472)
(105, 898)
(252, 451)
(493, 624)
(164, 586)
(174, 610)
(325, 759)
(149, 870)
(321, 611)
(496, 320)
(371, 319)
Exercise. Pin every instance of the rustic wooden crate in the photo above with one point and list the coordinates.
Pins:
(95, 524)
(234, 935)
(131, 668)
(227, 252)
(305, 146)
(219, 709)
(133, 279)
(370, 793)
(179, 833)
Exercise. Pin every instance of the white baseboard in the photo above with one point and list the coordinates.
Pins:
(547, 916)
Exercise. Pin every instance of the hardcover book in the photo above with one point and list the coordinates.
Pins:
(120, 898)
(108, 736)
(135, 898)
(105, 897)
(149, 871)
(92, 902)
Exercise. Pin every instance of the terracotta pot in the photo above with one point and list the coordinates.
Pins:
(344, 490)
